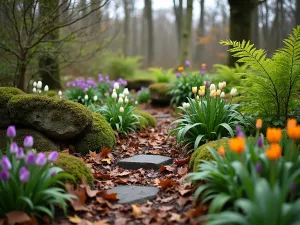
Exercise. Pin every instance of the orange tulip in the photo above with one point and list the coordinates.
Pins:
(180, 69)
(274, 152)
(221, 150)
(293, 132)
(203, 65)
(259, 123)
(291, 123)
(274, 135)
(237, 144)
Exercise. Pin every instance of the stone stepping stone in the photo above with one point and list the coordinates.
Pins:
(145, 162)
(128, 194)
(162, 116)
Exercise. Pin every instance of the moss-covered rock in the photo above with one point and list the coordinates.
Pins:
(138, 83)
(159, 93)
(52, 93)
(41, 143)
(57, 118)
(76, 167)
(98, 135)
(146, 120)
(202, 153)
(6, 93)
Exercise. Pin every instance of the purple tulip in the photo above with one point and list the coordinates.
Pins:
(5, 163)
(52, 174)
(30, 158)
(239, 131)
(258, 168)
(28, 142)
(11, 132)
(260, 142)
(293, 187)
(41, 159)
(187, 63)
(207, 84)
(52, 157)
(14, 148)
(24, 174)
(4, 175)
(20, 153)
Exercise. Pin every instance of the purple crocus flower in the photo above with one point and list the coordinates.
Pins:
(30, 158)
(14, 148)
(187, 63)
(260, 142)
(20, 153)
(178, 75)
(53, 173)
(4, 175)
(52, 157)
(258, 168)
(5, 163)
(41, 159)
(28, 142)
(24, 174)
(11, 132)
(239, 131)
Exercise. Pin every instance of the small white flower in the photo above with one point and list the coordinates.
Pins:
(121, 95)
(233, 92)
(114, 95)
(116, 85)
(136, 102)
(39, 84)
(186, 105)
(34, 90)
(46, 88)
(60, 93)
(86, 97)
(222, 95)
(212, 87)
(126, 100)
(34, 84)
(121, 109)
(120, 100)
(126, 91)
(95, 98)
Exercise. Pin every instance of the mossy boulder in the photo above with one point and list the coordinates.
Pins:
(146, 120)
(52, 93)
(76, 167)
(159, 93)
(6, 93)
(98, 135)
(138, 83)
(41, 143)
(57, 118)
(202, 153)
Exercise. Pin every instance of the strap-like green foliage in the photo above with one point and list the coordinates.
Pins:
(274, 81)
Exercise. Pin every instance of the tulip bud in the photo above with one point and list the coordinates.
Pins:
(14, 148)
(95, 98)
(116, 85)
(114, 95)
(126, 91)
(126, 100)
(121, 109)
(202, 88)
(34, 84)
(24, 174)
(222, 95)
(34, 90)
(218, 92)
(224, 84)
(41, 159)
(220, 85)
(201, 92)
(11, 132)
(39, 84)
(86, 97)
(4, 175)
(121, 95)
(60, 93)
(46, 88)
(194, 90)
(120, 100)
(213, 93)
(233, 92)
(212, 87)
(28, 142)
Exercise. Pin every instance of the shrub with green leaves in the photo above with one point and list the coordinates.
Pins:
(28, 183)
(252, 182)
(274, 81)
(143, 95)
(161, 75)
(182, 86)
(206, 118)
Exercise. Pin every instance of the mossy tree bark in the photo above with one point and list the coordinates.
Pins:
(49, 61)
(186, 33)
(126, 27)
(150, 40)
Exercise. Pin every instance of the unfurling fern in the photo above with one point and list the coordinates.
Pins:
(274, 81)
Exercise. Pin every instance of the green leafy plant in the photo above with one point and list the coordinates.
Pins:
(143, 95)
(249, 178)
(28, 183)
(161, 75)
(206, 118)
(275, 81)
(182, 86)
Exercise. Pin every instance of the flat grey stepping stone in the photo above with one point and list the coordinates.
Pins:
(128, 194)
(145, 162)
(162, 115)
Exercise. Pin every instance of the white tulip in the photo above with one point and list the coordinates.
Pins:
(136, 102)
(212, 87)
(222, 95)
(39, 84)
(116, 85)
(120, 100)
(220, 85)
(233, 92)
(126, 91)
(60, 93)
(34, 84)
(95, 98)
(121, 109)
(34, 90)
(46, 88)
(114, 95)
(224, 84)
(86, 97)
(186, 105)
(126, 100)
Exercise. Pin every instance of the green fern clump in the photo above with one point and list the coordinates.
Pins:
(274, 81)
(161, 75)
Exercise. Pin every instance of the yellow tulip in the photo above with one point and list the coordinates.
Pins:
(194, 90)
(218, 92)
(213, 93)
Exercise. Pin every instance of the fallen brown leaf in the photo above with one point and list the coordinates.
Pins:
(182, 162)
(75, 219)
(164, 184)
(15, 217)
(182, 171)
(110, 197)
(136, 211)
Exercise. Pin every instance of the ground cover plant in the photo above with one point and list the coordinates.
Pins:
(161, 75)
(143, 95)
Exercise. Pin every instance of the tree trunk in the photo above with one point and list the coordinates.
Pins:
(49, 63)
(201, 33)
(240, 22)
(178, 11)
(126, 28)
(297, 19)
(185, 38)
(255, 28)
(150, 41)
(134, 31)
(22, 73)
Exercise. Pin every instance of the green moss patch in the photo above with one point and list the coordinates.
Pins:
(160, 89)
(146, 120)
